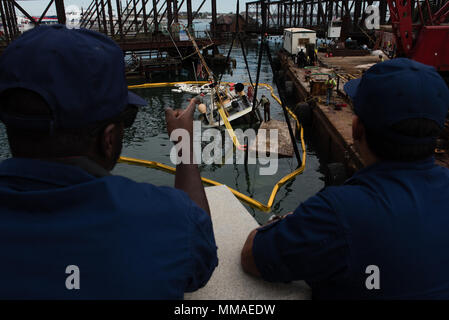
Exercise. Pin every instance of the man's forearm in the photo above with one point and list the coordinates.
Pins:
(188, 179)
(187, 176)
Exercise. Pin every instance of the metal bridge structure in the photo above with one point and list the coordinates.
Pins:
(317, 14)
(149, 24)
(136, 25)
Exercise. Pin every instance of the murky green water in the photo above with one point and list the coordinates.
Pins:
(148, 140)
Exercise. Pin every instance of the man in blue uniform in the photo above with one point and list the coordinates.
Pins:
(68, 228)
(384, 233)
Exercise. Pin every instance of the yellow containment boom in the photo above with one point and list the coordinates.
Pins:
(229, 128)
(254, 203)
(220, 108)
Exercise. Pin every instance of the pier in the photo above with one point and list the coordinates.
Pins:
(333, 127)
(333, 123)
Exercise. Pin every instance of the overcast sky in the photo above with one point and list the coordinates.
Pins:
(35, 7)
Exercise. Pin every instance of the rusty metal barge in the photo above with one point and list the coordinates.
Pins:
(331, 124)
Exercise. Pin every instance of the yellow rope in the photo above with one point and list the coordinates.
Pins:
(254, 203)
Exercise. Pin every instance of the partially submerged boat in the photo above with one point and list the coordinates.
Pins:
(193, 89)
(221, 103)
(234, 102)
(231, 97)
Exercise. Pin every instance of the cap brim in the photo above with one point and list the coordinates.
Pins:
(351, 87)
(135, 100)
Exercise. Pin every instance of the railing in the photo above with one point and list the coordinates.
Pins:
(153, 41)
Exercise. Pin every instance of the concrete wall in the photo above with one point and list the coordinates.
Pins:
(232, 224)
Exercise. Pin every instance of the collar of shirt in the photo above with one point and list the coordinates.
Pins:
(425, 164)
(61, 172)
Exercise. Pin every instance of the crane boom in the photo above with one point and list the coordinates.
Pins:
(427, 42)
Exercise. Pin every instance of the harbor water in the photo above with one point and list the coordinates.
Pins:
(147, 139)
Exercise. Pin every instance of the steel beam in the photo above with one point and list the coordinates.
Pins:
(145, 17)
(5, 25)
(189, 14)
(214, 16)
(98, 15)
(155, 13)
(111, 21)
(169, 12)
(60, 11)
(119, 18)
(175, 11)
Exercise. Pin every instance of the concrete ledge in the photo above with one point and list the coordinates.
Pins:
(232, 224)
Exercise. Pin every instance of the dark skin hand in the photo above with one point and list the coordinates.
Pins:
(247, 258)
(187, 176)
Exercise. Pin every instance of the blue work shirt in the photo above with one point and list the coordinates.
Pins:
(384, 234)
(128, 240)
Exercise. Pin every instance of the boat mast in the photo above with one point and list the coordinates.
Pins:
(198, 51)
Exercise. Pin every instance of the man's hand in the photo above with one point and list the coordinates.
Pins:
(181, 119)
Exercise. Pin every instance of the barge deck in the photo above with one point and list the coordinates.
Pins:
(333, 125)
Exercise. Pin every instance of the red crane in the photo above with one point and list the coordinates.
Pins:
(427, 41)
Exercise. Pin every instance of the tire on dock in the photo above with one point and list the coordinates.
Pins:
(336, 174)
(303, 111)
(289, 87)
(280, 74)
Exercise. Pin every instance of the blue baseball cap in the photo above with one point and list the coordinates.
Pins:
(79, 73)
(396, 90)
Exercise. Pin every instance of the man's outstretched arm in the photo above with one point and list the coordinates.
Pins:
(187, 176)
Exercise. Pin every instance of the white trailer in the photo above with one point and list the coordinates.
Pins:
(296, 39)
